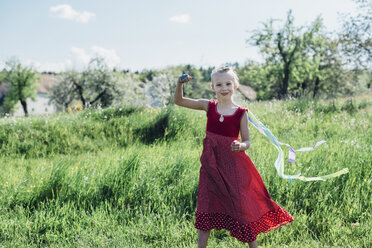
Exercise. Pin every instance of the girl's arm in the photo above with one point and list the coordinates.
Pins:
(200, 104)
(244, 133)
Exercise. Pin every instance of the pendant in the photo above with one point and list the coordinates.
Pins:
(221, 118)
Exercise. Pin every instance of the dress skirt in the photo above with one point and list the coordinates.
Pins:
(231, 193)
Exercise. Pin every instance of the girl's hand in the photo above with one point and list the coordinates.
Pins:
(184, 78)
(235, 146)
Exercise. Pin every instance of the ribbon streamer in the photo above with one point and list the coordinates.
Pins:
(279, 163)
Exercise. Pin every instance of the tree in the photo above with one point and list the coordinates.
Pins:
(63, 93)
(320, 67)
(356, 38)
(298, 61)
(160, 89)
(95, 85)
(255, 75)
(280, 49)
(22, 84)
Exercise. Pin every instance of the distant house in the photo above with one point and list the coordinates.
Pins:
(41, 105)
(248, 92)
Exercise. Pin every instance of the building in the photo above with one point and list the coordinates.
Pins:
(41, 105)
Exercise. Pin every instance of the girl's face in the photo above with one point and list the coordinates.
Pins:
(223, 84)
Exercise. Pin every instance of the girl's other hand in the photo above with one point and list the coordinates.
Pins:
(184, 78)
(235, 146)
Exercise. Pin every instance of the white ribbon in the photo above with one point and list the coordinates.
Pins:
(279, 163)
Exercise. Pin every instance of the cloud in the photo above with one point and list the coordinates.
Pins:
(81, 57)
(46, 66)
(65, 11)
(110, 56)
(184, 18)
(78, 60)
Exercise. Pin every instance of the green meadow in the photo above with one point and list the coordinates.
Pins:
(128, 177)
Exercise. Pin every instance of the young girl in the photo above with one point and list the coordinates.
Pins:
(231, 193)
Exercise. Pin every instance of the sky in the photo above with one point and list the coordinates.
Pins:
(54, 35)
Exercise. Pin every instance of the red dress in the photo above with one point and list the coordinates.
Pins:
(231, 193)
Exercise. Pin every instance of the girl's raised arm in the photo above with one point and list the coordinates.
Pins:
(200, 104)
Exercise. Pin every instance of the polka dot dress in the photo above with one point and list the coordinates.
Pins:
(243, 232)
(231, 193)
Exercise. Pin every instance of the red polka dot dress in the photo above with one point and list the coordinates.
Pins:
(231, 193)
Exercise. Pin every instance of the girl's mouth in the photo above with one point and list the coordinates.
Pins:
(225, 93)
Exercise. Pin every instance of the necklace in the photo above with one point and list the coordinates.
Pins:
(221, 117)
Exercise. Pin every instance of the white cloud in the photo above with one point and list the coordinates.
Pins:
(78, 60)
(80, 57)
(65, 11)
(110, 56)
(184, 18)
(46, 66)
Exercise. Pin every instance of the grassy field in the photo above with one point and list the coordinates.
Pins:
(128, 177)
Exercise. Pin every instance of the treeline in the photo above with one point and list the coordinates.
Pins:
(297, 61)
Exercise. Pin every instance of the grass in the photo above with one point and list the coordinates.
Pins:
(128, 177)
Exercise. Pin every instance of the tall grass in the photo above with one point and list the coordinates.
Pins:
(129, 177)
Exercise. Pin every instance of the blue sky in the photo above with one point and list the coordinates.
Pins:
(55, 35)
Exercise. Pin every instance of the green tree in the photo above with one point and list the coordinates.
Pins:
(64, 92)
(319, 67)
(95, 85)
(22, 84)
(257, 76)
(280, 49)
(356, 38)
(298, 61)
(199, 87)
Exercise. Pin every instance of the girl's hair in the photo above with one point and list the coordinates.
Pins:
(227, 69)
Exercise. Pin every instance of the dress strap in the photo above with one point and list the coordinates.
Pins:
(241, 112)
(212, 104)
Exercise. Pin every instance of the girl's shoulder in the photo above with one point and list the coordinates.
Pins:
(242, 108)
(240, 112)
(212, 103)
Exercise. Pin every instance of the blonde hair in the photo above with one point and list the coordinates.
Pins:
(226, 69)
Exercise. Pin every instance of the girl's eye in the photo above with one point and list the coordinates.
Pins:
(228, 83)
(218, 84)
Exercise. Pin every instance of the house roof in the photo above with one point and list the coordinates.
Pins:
(47, 80)
(2, 87)
(247, 91)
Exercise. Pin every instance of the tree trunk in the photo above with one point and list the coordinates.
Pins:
(284, 90)
(304, 86)
(24, 106)
(316, 87)
(80, 92)
(98, 97)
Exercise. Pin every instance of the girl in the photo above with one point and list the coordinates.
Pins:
(231, 193)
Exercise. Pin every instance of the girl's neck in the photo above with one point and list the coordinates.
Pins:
(226, 106)
(226, 102)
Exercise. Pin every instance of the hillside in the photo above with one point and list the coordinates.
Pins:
(128, 177)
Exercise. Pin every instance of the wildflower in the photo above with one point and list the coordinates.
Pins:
(78, 107)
